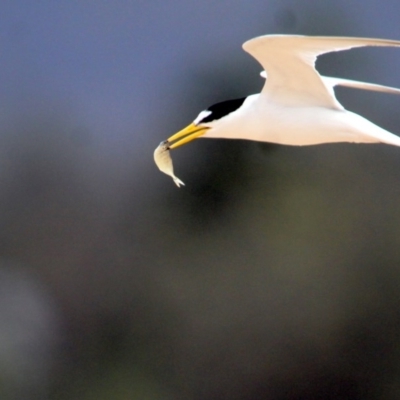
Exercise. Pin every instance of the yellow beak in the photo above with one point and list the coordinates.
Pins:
(188, 134)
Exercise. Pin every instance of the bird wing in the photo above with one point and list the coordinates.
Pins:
(331, 82)
(290, 63)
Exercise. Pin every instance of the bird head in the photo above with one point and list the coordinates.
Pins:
(205, 121)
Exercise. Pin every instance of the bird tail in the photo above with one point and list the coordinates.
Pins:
(376, 134)
(389, 138)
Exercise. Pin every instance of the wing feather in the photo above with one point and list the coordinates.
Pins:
(290, 63)
(331, 81)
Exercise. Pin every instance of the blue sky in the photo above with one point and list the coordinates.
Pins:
(124, 70)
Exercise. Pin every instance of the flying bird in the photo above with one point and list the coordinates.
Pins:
(297, 105)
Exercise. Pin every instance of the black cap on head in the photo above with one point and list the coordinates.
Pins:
(219, 110)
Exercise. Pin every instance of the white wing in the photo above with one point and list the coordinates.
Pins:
(289, 61)
(331, 82)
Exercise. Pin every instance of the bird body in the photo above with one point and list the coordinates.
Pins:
(297, 106)
(299, 126)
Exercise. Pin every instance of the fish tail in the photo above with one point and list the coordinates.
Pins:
(178, 182)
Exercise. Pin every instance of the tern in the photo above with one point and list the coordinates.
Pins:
(297, 105)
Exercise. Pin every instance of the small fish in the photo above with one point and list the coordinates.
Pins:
(163, 161)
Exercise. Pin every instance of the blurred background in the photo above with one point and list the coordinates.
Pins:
(273, 274)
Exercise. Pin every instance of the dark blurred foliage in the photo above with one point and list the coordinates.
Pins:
(273, 274)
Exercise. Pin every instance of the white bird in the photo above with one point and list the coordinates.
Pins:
(296, 106)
